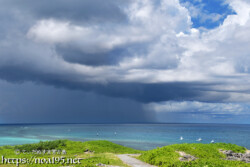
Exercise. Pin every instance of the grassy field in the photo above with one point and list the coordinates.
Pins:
(207, 155)
(99, 152)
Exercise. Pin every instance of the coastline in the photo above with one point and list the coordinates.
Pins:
(143, 136)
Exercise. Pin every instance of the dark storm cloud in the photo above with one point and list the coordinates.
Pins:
(18, 70)
(27, 70)
(169, 60)
(30, 103)
(136, 91)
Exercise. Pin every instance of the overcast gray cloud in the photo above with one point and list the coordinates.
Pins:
(82, 12)
(143, 51)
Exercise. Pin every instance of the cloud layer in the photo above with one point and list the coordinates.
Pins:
(148, 51)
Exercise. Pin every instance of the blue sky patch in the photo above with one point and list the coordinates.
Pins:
(207, 13)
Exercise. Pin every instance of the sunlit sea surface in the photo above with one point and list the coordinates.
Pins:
(138, 136)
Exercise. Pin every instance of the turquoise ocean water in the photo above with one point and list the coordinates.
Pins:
(139, 136)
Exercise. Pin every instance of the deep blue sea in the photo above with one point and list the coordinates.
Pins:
(138, 136)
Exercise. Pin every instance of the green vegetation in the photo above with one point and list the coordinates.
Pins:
(75, 147)
(99, 152)
(43, 145)
(207, 155)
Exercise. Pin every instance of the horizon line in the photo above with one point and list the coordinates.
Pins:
(123, 123)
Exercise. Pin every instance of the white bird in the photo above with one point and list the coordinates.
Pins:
(115, 133)
(181, 138)
(212, 141)
(199, 139)
(97, 134)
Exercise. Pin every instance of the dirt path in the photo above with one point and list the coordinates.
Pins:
(133, 162)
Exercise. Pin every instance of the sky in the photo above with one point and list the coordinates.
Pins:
(125, 61)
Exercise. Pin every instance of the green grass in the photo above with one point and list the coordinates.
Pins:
(99, 147)
(43, 145)
(75, 147)
(208, 155)
(104, 152)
